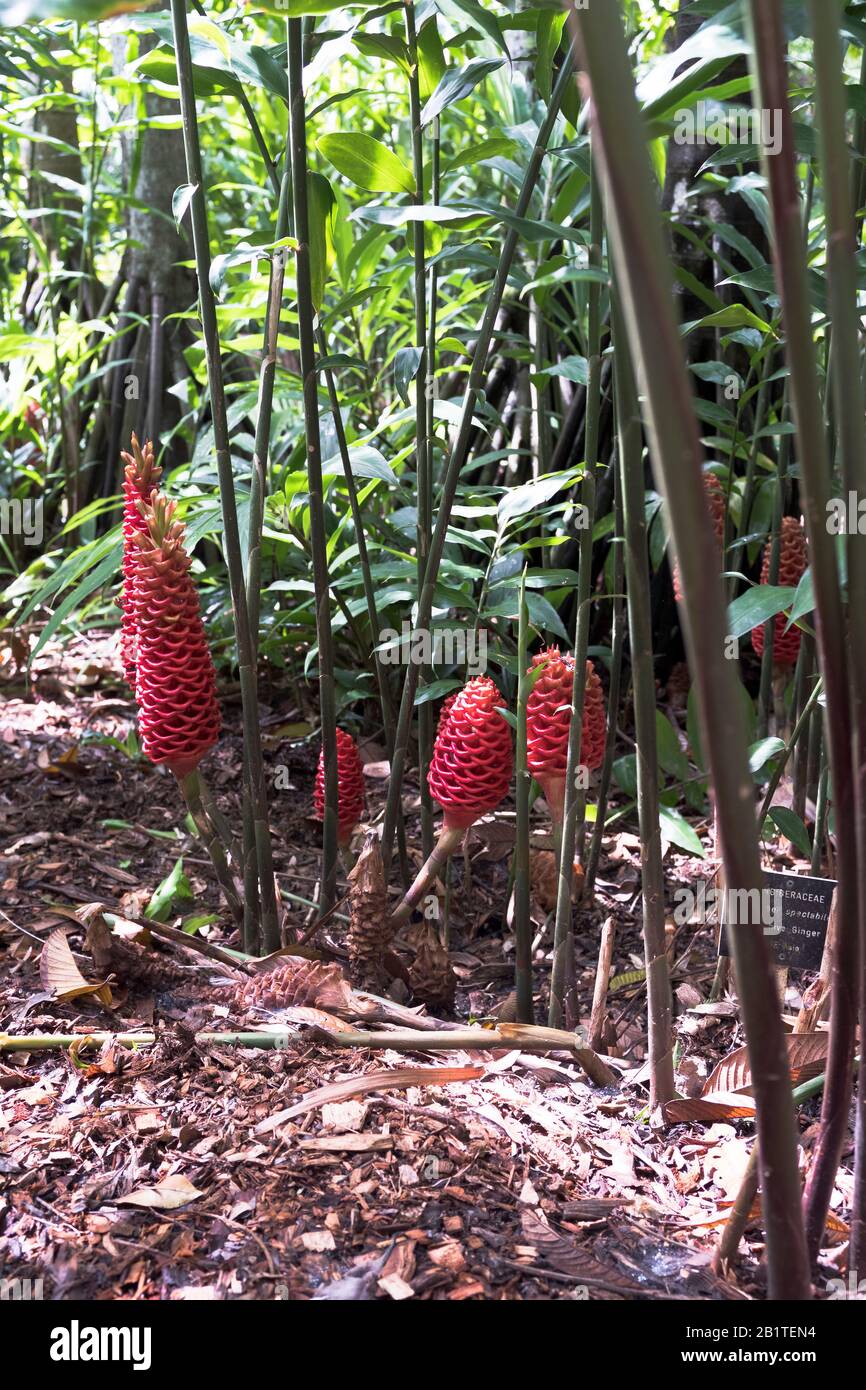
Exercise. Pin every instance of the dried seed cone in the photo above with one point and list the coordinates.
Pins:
(431, 978)
(141, 478)
(350, 782)
(544, 879)
(175, 685)
(716, 504)
(793, 559)
(548, 720)
(294, 983)
(369, 928)
(473, 759)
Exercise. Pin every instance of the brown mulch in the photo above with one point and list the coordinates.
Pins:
(146, 1174)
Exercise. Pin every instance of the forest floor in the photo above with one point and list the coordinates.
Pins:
(155, 1173)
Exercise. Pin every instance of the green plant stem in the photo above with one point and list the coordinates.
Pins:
(423, 460)
(574, 809)
(848, 397)
(821, 806)
(766, 688)
(617, 645)
(659, 1007)
(231, 535)
(318, 536)
(459, 454)
(190, 787)
(797, 732)
(769, 44)
(522, 921)
(448, 843)
(644, 277)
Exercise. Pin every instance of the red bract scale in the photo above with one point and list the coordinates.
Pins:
(350, 780)
(716, 504)
(793, 560)
(473, 759)
(175, 685)
(141, 477)
(548, 721)
(445, 711)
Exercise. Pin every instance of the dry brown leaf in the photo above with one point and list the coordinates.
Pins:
(60, 975)
(709, 1108)
(807, 1056)
(171, 1192)
(400, 1078)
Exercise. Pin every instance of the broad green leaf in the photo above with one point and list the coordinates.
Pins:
(406, 365)
(676, 829)
(322, 208)
(456, 84)
(365, 461)
(180, 201)
(761, 752)
(756, 605)
(517, 501)
(431, 58)
(367, 162)
(791, 826)
(175, 887)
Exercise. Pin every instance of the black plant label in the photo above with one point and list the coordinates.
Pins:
(794, 915)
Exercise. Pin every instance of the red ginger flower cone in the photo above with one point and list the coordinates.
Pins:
(141, 477)
(716, 503)
(469, 774)
(548, 721)
(473, 759)
(350, 781)
(793, 560)
(175, 684)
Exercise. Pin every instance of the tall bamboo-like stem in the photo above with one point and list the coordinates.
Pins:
(231, 535)
(617, 644)
(644, 278)
(765, 692)
(522, 923)
(768, 37)
(318, 537)
(637, 576)
(191, 788)
(460, 452)
(385, 701)
(848, 395)
(797, 738)
(574, 808)
(821, 806)
(423, 460)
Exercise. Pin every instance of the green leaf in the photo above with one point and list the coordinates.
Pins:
(456, 84)
(322, 208)
(790, 825)
(734, 316)
(517, 501)
(174, 887)
(431, 58)
(365, 461)
(624, 772)
(756, 605)
(107, 570)
(406, 364)
(804, 598)
(180, 201)
(670, 755)
(367, 162)
(761, 752)
(676, 829)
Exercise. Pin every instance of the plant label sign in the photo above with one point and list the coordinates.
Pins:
(795, 912)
